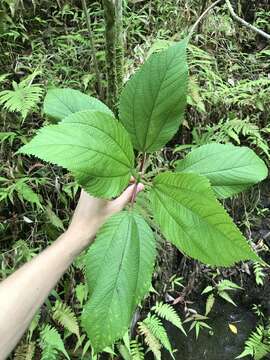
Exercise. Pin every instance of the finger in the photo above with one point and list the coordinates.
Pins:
(119, 203)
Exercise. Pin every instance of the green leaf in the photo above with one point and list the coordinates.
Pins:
(207, 290)
(167, 312)
(22, 99)
(93, 146)
(24, 191)
(7, 135)
(230, 169)
(65, 316)
(190, 217)
(209, 304)
(228, 285)
(226, 297)
(153, 101)
(54, 219)
(60, 103)
(156, 327)
(50, 338)
(119, 268)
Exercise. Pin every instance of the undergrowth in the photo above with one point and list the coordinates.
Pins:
(44, 44)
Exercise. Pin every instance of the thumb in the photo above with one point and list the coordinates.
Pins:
(119, 203)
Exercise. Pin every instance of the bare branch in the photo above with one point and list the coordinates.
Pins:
(201, 17)
(234, 16)
(245, 23)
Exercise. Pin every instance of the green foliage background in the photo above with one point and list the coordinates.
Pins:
(45, 43)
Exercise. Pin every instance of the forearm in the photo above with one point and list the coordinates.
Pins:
(24, 292)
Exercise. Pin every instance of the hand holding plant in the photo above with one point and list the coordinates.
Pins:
(98, 150)
(91, 213)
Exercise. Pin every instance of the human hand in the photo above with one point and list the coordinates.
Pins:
(91, 213)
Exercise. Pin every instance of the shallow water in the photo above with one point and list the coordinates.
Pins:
(223, 344)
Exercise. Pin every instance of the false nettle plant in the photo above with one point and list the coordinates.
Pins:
(98, 150)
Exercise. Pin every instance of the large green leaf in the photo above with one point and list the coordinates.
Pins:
(119, 270)
(230, 169)
(153, 101)
(189, 215)
(59, 103)
(93, 146)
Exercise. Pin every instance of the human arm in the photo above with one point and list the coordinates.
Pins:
(23, 292)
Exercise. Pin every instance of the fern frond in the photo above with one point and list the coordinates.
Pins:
(49, 353)
(258, 344)
(22, 99)
(151, 341)
(228, 130)
(167, 312)
(156, 327)
(64, 315)
(136, 350)
(51, 343)
(259, 274)
(25, 351)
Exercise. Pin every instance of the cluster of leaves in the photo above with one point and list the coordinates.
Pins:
(153, 333)
(23, 98)
(221, 289)
(98, 150)
(258, 344)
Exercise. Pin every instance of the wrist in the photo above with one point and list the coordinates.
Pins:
(79, 236)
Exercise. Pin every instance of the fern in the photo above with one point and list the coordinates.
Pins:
(49, 353)
(247, 92)
(64, 315)
(136, 350)
(167, 312)
(51, 343)
(228, 130)
(259, 274)
(156, 327)
(150, 339)
(25, 351)
(258, 344)
(23, 98)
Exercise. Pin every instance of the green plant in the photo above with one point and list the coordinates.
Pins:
(64, 315)
(220, 289)
(51, 343)
(98, 150)
(24, 96)
(259, 273)
(198, 323)
(234, 130)
(153, 333)
(258, 344)
(25, 351)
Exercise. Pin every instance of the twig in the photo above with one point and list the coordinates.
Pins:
(245, 23)
(134, 193)
(92, 45)
(234, 16)
(201, 17)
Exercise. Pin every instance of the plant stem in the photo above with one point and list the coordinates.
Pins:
(114, 49)
(234, 16)
(245, 23)
(201, 17)
(141, 170)
(92, 45)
